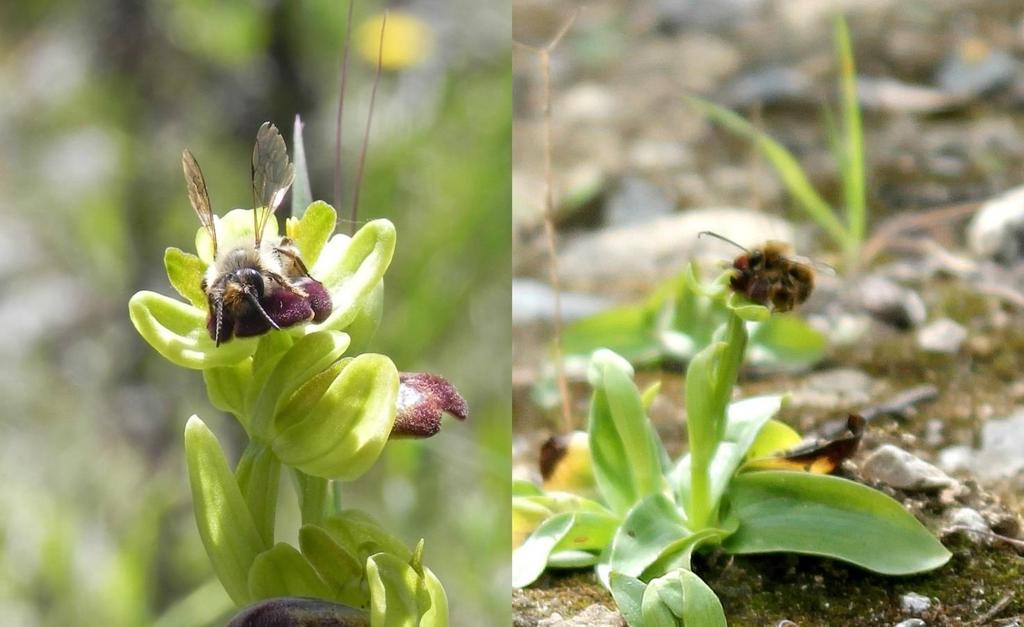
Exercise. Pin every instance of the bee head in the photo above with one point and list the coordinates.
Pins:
(756, 260)
(251, 281)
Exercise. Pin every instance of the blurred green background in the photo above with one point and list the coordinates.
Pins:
(100, 98)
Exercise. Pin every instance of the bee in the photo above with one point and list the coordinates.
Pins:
(261, 284)
(769, 275)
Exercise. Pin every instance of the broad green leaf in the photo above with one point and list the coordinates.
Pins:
(178, 332)
(786, 339)
(702, 428)
(744, 421)
(530, 559)
(748, 311)
(529, 511)
(185, 272)
(393, 587)
(648, 528)
(627, 465)
(681, 599)
(281, 571)
(312, 232)
(351, 268)
(226, 526)
(337, 566)
(628, 593)
(522, 487)
(348, 426)
(302, 194)
(785, 164)
(258, 475)
(627, 330)
(796, 512)
(309, 356)
(226, 388)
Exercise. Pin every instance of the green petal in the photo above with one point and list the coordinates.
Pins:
(364, 326)
(178, 332)
(281, 571)
(347, 428)
(403, 594)
(226, 387)
(337, 566)
(313, 230)
(225, 524)
(185, 272)
(351, 269)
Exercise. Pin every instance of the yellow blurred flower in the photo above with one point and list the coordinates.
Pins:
(408, 40)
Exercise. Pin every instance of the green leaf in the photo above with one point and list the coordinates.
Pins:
(281, 571)
(302, 195)
(178, 332)
(362, 536)
(746, 310)
(226, 526)
(312, 232)
(852, 164)
(680, 598)
(628, 593)
(702, 428)
(784, 163)
(648, 528)
(258, 475)
(348, 426)
(529, 560)
(744, 421)
(628, 331)
(775, 436)
(336, 565)
(185, 272)
(786, 339)
(627, 465)
(309, 356)
(829, 516)
(393, 592)
(351, 269)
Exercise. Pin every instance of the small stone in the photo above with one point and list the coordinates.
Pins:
(973, 521)
(895, 467)
(587, 102)
(941, 336)
(997, 230)
(915, 603)
(911, 622)
(892, 303)
(534, 301)
(636, 200)
(933, 432)
(956, 458)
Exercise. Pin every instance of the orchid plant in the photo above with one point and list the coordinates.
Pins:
(310, 402)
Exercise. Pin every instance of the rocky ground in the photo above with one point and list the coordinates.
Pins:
(928, 335)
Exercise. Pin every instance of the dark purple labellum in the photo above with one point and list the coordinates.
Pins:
(422, 399)
(284, 307)
(299, 612)
(319, 298)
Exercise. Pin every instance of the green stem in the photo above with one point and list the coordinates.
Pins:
(259, 474)
(313, 500)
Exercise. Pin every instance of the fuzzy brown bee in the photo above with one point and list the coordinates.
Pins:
(769, 276)
(258, 285)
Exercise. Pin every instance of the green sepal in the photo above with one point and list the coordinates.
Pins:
(185, 271)
(281, 571)
(363, 536)
(364, 326)
(226, 526)
(234, 229)
(312, 231)
(258, 475)
(351, 268)
(309, 356)
(400, 595)
(271, 349)
(346, 429)
(748, 311)
(178, 332)
(226, 387)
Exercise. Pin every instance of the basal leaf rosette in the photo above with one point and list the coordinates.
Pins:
(350, 268)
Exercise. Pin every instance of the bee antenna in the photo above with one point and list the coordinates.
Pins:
(723, 238)
(255, 302)
(369, 121)
(220, 319)
(341, 107)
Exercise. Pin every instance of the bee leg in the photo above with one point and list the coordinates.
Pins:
(220, 320)
(280, 250)
(286, 284)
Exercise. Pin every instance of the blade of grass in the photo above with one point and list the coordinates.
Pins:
(853, 145)
(784, 163)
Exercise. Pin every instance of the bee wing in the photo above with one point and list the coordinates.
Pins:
(197, 194)
(272, 174)
(820, 266)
